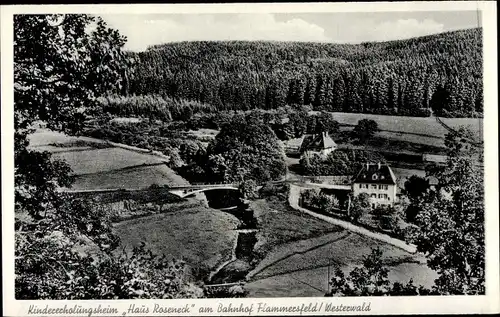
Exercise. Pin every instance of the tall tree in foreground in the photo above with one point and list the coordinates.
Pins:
(450, 221)
(449, 230)
(63, 246)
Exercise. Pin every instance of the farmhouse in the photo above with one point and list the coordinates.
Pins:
(378, 181)
(320, 143)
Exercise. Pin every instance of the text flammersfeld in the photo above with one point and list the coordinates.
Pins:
(300, 309)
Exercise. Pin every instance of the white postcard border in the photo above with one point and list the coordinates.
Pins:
(488, 303)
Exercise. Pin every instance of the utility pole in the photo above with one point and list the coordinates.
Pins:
(348, 205)
(328, 278)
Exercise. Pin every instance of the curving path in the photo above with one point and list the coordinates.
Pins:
(294, 203)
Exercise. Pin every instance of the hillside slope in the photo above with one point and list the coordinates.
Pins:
(442, 72)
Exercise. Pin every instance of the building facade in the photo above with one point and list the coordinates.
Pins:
(320, 143)
(379, 182)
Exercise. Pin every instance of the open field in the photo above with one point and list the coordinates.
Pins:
(104, 160)
(297, 250)
(47, 138)
(402, 174)
(424, 126)
(385, 142)
(303, 270)
(412, 139)
(98, 166)
(203, 237)
(280, 224)
(139, 177)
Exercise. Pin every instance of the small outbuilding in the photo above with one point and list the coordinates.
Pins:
(320, 143)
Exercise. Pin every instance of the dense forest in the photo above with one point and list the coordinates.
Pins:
(440, 74)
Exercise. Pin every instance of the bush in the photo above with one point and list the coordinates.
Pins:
(279, 191)
(248, 189)
(319, 201)
(235, 291)
(360, 205)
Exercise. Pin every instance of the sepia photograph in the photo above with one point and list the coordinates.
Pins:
(163, 155)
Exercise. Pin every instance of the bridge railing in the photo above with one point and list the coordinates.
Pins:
(210, 184)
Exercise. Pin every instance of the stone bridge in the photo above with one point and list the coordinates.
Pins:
(187, 190)
(181, 190)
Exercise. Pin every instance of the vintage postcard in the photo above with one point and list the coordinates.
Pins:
(250, 159)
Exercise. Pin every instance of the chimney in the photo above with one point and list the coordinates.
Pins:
(379, 165)
(367, 165)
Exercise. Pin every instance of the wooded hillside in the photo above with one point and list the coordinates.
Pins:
(442, 72)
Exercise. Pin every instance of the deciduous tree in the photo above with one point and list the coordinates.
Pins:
(365, 129)
(63, 246)
(450, 225)
(249, 149)
(360, 205)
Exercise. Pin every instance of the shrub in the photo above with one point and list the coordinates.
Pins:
(360, 205)
(279, 191)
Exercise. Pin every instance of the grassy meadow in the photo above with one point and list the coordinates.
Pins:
(201, 236)
(96, 165)
(423, 126)
(279, 223)
(300, 268)
(139, 177)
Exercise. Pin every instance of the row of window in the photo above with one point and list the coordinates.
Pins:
(375, 205)
(380, 196)
(373, 186)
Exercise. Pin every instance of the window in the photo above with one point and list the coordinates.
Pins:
(380, 196)
(373, 195)
(374, 186)
(374, 177)
(382, 187)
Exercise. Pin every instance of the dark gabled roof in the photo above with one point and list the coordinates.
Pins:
(375, 175)
(317, 142)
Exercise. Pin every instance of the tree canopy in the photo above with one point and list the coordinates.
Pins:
(64, 246)
(450, 221)
(246, 148)
(365, 129)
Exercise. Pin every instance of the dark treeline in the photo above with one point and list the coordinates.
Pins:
(440, 73)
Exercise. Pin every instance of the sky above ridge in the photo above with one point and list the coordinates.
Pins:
(143, 30)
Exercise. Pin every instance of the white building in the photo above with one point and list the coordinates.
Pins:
(379, 182)
(321, 144)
